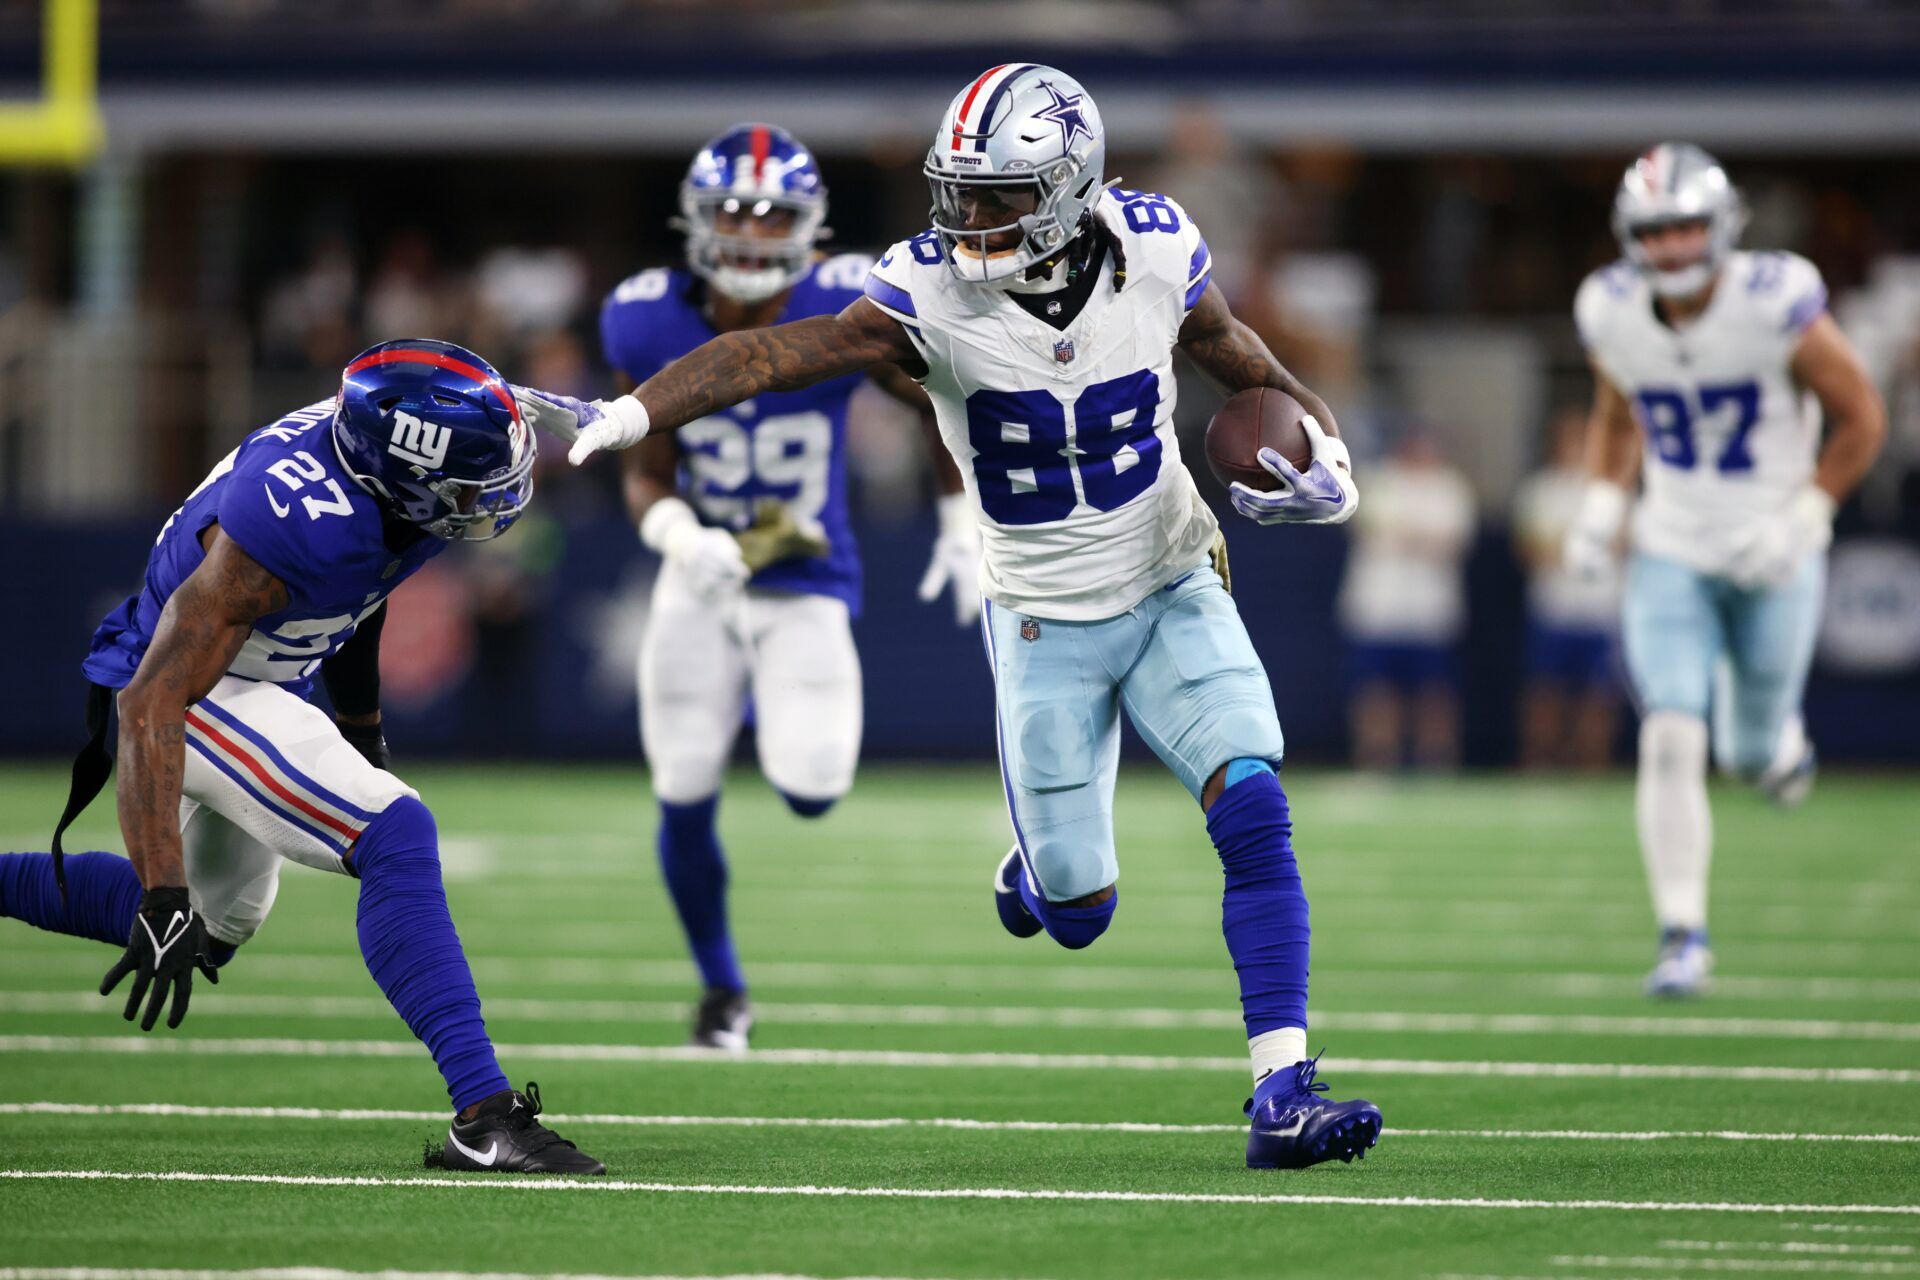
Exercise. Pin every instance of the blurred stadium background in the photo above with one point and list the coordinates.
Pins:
(1401, 196)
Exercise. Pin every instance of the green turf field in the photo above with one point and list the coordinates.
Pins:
(932, 1098)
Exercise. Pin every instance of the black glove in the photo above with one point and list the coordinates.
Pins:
(169, 941)
(370, 742)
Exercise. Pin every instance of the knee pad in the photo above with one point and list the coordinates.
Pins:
(1673, 745)
(404, 830)
(1077, 927)
(808, 807)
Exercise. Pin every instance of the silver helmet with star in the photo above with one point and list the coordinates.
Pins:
(1019, 159)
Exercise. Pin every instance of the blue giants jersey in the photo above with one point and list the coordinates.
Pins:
(285, 498)
(789, 446)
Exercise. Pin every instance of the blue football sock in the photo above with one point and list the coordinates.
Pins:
(807, 808)
(103, 894)
(695, 870)
(412, 951)
(1264, 909)
(1071, 927)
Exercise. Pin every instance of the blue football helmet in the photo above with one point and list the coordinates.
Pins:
(752, 205)
(433, 432)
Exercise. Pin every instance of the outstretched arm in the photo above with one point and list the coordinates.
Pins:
(205, 622)
(745, 363)
(1234, 356)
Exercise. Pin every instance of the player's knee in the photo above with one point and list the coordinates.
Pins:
(1077, 923)
(1673, 744)
(808, 806)
(404, 833)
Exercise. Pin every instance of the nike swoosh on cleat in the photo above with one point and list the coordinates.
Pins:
(1292, 1131)
(483, 1159)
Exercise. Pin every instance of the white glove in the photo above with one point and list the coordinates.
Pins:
(956, 559)
(1588, 553)
(593, 425)
(1322, 494)
(709, 558)
(1781, 544)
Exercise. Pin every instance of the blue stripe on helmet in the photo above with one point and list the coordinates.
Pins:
(985, 118)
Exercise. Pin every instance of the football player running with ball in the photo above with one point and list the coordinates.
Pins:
(760, 577)
(1716, 365)
(1041, 313)
(226, 771)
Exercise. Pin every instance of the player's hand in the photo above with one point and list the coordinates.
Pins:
(1322, 494)
(709, 560)
(1589, 550)
(369, 740)
(956, 560)
(1780, 545)
(169, 941)
(595, 424)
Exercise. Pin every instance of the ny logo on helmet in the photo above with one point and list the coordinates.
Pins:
(418, 441)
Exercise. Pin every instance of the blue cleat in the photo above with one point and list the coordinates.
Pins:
(1685, 967)
(1014, 916)
(1294, 1126)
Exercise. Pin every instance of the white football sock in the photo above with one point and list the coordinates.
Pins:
(1275, 1050)
(1676, 827)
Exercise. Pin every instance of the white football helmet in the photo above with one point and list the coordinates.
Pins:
(1678, 182)
(1023, 150)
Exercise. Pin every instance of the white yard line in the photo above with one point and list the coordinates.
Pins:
(1051, 1016)
(333, 1273)
(1770, 1266)
(1791, 1246)
(457, 1183)
(285, 1047)
(186, 1111)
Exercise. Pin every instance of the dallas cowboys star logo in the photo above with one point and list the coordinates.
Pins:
(1066, 113)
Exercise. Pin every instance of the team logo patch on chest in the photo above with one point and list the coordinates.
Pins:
(1063, 351)
(1029, 630)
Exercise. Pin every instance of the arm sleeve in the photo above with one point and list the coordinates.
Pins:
(352, 674)
(1199, 262)
(889, 286)
(1803, 295)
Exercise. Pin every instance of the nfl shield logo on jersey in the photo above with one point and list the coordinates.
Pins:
(1029, 630)
(1063, 351)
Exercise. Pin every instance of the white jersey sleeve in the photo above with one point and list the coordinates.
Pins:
(1065, 435)
(1730, 436)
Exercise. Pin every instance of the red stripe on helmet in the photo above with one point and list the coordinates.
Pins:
(972, 92)
(414, 356)
(761, 143)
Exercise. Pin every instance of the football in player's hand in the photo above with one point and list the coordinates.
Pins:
(1255, 419)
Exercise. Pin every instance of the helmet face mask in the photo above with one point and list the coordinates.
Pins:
(752, 206)
(1016, 166)
(1677, 184)
(433, 433)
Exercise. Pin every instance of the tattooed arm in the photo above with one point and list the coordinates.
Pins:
(205, 622)
(1234, 356)
(745, 363)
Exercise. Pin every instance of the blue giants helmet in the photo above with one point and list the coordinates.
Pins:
(433, 432)
(752, 206)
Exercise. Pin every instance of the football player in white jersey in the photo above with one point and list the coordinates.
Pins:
(1717, 365)
(1041, 312)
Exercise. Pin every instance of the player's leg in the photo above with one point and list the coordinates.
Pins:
(1674, 634)
(1057, 724)
(1770, 643)
(1200, 699)
(103, 895)
(278, 769)
(692, 688)
(806, 696)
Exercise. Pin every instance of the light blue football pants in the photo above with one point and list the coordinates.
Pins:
(1181, 665)
(1680, 624)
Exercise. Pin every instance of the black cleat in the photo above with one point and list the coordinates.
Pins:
(723, 1020)
(506, 1136)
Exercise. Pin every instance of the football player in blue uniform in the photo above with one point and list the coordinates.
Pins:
(226, 770)
(747, 508)
(1041, 312)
